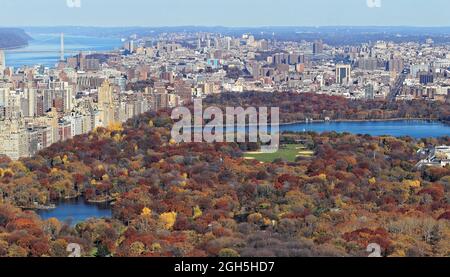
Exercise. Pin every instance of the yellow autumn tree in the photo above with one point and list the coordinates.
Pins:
(146, 212)
(116, 127)
(18, 166)
(339, 202)
(137, 248)
(155, 247)
(8, 171)
(411, 183)
(197, 212)
(117, 137)
(168, 219)
(322, 176)
(65, 159)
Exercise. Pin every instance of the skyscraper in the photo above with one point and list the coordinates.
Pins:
(106, 104)
(31, 101)
(277, 58)
(318, 47)
(228, 39)
(395, 65)
(343, 72)
(4, 96)
(131, 46)
(369, 91)
(369, 64)
(426, 78)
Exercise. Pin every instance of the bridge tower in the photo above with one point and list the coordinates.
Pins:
(2, 62)
(62, 47)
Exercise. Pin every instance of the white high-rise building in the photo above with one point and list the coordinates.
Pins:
(31, 101)
(4, 96)
(14, 139)
(68, 97)
(228, 39)
(343, 72)
(105, 104)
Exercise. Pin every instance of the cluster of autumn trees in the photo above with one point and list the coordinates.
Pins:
(298, 107)
(203, 199)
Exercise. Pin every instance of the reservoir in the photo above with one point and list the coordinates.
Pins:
(413, 128)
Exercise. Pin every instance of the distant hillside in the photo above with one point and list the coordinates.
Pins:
(12, 38)
(333, 35)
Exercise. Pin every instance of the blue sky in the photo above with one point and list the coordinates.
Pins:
(225, 13)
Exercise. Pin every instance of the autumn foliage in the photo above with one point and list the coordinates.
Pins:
(206, 200)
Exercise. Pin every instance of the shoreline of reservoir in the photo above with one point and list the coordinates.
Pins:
(362, 120)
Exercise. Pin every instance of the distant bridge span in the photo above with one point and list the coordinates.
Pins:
(61, 51)
(51, 51)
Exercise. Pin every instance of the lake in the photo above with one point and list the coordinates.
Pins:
(398, 128)
(30, 55)
(76, 210)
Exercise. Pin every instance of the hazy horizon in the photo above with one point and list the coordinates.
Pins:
(232, 13)
(225, 26)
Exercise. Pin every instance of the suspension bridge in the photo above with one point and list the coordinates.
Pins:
(51, 51)
(61, 51)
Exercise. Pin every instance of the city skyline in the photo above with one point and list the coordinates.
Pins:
(243, 14)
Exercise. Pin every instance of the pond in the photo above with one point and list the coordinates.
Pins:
(74, 211)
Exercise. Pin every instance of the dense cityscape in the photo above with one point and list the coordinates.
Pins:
(41, 105)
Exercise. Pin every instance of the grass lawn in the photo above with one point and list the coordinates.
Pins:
(288, 152)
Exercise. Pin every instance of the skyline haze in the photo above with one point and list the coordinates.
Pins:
(233, 13)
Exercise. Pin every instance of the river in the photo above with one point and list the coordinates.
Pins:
(30, 55)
